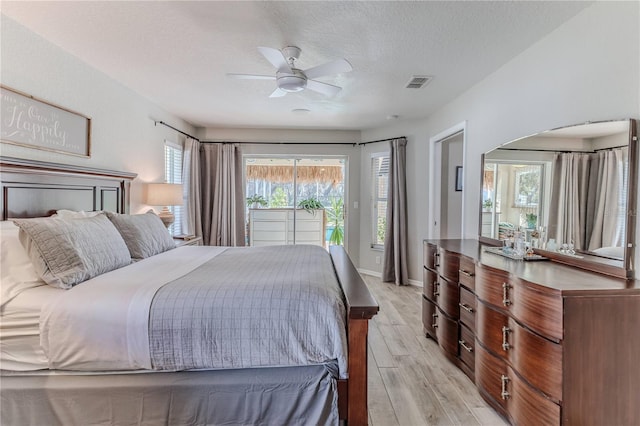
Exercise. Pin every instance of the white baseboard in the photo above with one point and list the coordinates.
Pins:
(415, 283)
(372, 273)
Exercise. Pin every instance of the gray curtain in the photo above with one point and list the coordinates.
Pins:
(191, 219)
(588, 201)
(394, 266)
(609, 205)
(223, 212)
(568, 209)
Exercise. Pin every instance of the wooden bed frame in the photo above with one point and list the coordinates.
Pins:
(35, 189)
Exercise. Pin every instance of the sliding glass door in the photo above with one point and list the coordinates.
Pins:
(295, 200)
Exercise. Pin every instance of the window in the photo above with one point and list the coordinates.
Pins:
(527, 185)
(173, 174)
(380, 179)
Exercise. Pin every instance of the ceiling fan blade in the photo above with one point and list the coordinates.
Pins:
(278, 93)
(276, 58)
(251, 76)
(330, 68)
(324, 88)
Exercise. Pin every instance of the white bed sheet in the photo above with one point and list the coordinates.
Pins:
(122, 296)
(20, 330)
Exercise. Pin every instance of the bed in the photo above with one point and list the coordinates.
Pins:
(229, 388)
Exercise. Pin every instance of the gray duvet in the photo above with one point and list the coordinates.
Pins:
(251, 307)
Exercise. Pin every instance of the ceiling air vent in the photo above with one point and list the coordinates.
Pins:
(418, 81)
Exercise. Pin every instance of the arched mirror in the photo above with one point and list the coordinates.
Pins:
(571, 191)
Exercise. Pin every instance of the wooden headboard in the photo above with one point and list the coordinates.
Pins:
(37, 188)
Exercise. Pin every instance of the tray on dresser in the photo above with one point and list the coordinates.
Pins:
(500, 252)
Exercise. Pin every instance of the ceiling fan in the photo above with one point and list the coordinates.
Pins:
(291, 79)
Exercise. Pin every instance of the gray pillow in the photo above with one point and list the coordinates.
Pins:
(66, 252)
(144, 234)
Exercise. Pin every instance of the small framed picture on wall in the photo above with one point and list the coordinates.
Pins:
(458, 178)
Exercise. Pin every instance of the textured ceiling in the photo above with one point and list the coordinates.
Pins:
(177, 53)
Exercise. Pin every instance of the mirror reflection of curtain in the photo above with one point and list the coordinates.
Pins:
(588, 201)
(568, 210)
(608, 171)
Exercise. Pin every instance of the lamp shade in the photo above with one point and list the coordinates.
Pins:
(164, 194)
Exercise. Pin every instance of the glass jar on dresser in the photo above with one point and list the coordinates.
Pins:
(553, 344)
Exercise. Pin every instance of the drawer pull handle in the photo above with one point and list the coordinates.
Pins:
(435, 320)
(436, 286)
(435, 259)
(505, 338)
(466, 307)
(463, 272)
(505, 294)
(504, 394)
(464, 346)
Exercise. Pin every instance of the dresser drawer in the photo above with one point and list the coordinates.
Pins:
(490, 286)
(466, 347)
(448, 297)
(447, 333)
(527, 406)
(430, 252)
(467, 272)
(468, 308)
(489, 331)
(449, 265)
(524, 404)
(540, 308)
(537, 306)
(489, 372)
(429, 318)
(429, 284)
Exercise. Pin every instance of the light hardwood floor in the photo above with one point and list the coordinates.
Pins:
(410, 382)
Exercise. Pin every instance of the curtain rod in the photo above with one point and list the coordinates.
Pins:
(382, 140)
(559, 152)
(278, 143)
(284, 143)
(173, 128)
(537, 150)
(611, 147)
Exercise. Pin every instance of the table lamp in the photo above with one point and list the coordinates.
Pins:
(164, 194)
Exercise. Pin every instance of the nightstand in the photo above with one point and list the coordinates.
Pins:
(196, 241)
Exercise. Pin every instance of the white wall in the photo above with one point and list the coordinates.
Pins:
(123, 135)
(587, 69)
(302, 147)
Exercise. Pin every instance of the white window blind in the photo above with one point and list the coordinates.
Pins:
(173, 174)
(380, 179)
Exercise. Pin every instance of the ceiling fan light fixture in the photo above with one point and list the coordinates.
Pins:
(294, 82)
(290, 79)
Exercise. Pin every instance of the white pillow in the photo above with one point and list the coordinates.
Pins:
(145, 234)
(66, 252)
(17, 273)
(72, 214)
(616, 252)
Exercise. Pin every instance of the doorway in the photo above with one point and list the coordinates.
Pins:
(446, 183)
(295, 200)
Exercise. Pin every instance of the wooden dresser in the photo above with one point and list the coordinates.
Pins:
(545, 343)
(448, 302)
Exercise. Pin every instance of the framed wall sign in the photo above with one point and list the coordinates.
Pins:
(34, 123)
